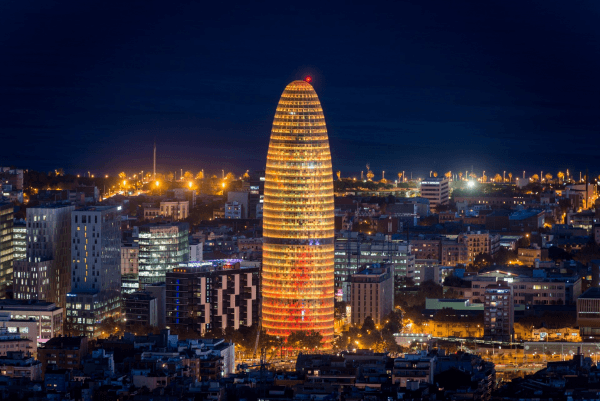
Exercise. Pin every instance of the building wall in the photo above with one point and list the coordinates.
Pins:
(204, 296)
(129, 259)
(176, 210)
(6, 247)
(436, 190)
(96, 269)
(48, 240)
(498, 312)
(372, 295)
(162, 248)
(353, 254)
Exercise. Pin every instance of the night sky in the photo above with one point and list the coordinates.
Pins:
(405, 85)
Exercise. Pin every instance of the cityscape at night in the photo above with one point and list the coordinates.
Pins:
(263, 202)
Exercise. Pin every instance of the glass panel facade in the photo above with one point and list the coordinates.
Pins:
(298, 219)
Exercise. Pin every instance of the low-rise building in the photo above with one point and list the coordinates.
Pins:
(527, 256)
(176, 210)
(414, 367)
(18, 364)
(63, 352)
(13, 342)
(234, 210)
(48, 317)
(588, 314)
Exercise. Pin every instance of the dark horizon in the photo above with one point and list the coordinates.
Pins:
(411, 86)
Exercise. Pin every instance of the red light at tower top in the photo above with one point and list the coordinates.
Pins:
(308, 79)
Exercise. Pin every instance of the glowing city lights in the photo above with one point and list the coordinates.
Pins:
(297, 281)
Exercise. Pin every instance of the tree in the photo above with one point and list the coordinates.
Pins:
(535, 178)
(460, 175)
(200, 175)
(548, 177)
(188, 176)
(561, 176)
(368, 324)
(435, 174)
(399, 176)
(310, 340)
(482, 260)
(448, 174)
(510, 175)
(497, 178)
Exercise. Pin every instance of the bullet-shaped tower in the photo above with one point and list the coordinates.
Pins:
(298, 219)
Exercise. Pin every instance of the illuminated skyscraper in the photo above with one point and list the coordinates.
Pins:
(298, 219)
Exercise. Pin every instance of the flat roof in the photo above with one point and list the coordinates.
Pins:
(591, 293)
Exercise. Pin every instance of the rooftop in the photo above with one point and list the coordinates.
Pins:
(29, 305)
(591, 293)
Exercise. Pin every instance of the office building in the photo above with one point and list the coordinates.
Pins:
(46, 272)
(163, 246)
(129, 258)
(298, 219)
(6, 247)
(19, 240)
(176, 210)
(353, 251)
(213, 294)
(499, 314)
(48, 316)
(96, 269)
(437, 191)
(372, 294)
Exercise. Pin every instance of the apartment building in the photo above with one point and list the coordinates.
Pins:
(213, 294)
(372, 294)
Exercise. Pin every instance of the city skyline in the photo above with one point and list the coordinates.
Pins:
(478, 99)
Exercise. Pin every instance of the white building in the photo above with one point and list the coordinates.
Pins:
(436, 190)
(48, 317)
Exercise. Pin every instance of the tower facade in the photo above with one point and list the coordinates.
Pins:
(298, 219)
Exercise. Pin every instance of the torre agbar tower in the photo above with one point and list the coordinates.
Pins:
(298, 219)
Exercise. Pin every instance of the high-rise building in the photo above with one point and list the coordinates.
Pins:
(298, 219)
(213, 294)
(96, 269)
(163, 246)
(19, 240)
(46, 272)
(6, 247)
(372, 294)
(437, 191)
(499, 312)
(353, 251)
